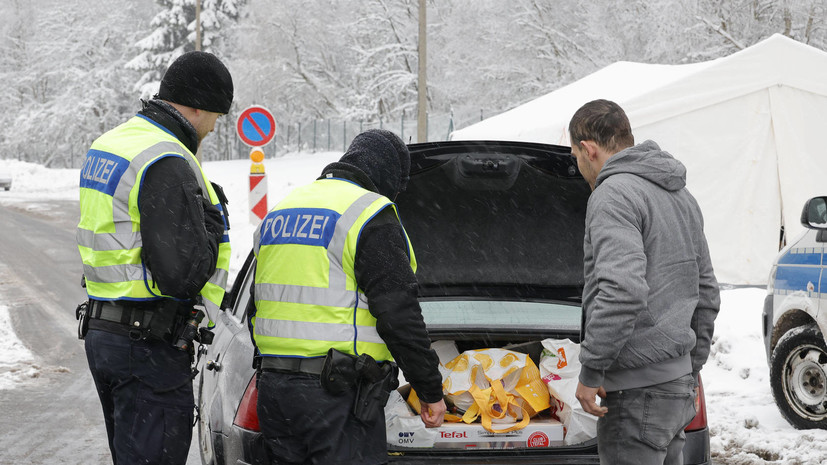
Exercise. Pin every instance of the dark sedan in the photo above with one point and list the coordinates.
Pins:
(498, 231)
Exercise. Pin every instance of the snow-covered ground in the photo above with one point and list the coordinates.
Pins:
(17, 363)
(745, 425)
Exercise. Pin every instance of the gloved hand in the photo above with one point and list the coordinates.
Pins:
(213, 220)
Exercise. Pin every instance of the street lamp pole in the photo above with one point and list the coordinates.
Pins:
(198, 25)
(422, 86)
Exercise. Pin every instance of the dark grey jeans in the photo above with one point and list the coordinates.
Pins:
(145, 389)
(644, 426)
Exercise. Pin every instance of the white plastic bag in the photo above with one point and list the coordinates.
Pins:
(560, 369)
(403, 427)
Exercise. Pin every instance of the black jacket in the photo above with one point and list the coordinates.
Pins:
(180, 227)
(383, 272)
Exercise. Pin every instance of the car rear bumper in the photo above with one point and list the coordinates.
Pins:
(695, 452)
(696, 449)
(586, 455)
(252, 450)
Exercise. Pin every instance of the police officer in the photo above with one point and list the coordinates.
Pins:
(336, 271)
(153, 240)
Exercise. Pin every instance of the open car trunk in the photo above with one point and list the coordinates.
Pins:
(497, 230)
(457, 442)
(496, 219)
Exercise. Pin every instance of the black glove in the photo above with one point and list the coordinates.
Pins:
(213, 220)
(222, 199)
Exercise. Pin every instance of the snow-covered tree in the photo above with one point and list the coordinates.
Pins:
(383, 43)
(736, 24)
(67, 82)
(310, 60)
(174, 34)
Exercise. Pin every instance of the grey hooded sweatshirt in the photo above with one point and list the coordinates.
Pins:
(650, 296)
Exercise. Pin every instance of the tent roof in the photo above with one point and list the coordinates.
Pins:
(749, 128)
(650, 92)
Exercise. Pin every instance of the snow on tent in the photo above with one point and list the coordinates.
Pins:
(751, 129)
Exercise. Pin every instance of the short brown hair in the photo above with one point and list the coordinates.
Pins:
(604, 122)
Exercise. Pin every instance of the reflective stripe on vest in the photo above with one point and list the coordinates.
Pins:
(108, 235)
(304, 310)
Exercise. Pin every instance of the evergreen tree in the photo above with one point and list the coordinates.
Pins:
(174, 34)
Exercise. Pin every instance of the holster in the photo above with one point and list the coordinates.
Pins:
(168, 320)
(82, 315)
(372, 381)
(338, 372)
(373, 387)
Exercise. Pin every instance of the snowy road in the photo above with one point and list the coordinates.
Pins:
(53, 415)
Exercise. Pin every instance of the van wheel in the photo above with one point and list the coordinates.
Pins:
(799, 379)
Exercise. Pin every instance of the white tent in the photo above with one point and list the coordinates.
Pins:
(751, 129)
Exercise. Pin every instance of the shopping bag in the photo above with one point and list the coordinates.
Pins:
(450, 415)
(403, 428)
(499, 386)
(560, 371)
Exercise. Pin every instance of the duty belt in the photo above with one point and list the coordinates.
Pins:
(134, 316)
(311, 366)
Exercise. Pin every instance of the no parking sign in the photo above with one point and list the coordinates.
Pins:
(256, 126)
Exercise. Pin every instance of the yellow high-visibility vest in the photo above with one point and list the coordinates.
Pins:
(306, 295)
(109, 233)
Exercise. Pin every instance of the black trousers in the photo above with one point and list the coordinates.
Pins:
(302, 423)
(145, 389)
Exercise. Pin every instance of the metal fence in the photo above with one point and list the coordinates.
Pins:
(333, 135)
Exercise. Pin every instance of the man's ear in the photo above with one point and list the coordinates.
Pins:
(590, 148)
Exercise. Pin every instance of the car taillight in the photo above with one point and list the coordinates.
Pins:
(246, 417)
(699, 422)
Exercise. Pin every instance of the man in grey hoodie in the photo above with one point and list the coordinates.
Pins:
(650, 296)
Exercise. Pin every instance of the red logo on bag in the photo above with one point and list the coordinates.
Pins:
(537, 439)
(453, 434)
(551, 377)
(562, 362)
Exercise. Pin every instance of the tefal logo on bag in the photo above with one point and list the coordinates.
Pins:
(453, 435)
(561, 363)
(537, 439)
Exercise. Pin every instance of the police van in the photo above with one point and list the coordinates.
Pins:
(795, 322)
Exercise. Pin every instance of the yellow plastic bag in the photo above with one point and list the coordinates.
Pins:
(500, 386)
(413, 401)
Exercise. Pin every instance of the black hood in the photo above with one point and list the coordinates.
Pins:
(383, 157)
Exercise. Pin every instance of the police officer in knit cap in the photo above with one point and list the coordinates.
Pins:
(350, 309)
(198, 80)
(153, 240)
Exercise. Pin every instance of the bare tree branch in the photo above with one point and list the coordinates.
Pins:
(720, 30)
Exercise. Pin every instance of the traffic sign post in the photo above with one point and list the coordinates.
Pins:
(258, 187)
(256, 128)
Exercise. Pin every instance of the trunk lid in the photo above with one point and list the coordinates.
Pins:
(496, 219)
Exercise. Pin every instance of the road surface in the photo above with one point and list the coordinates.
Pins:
(54, 418)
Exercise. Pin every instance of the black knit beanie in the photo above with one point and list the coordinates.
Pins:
(382, 156)
(198, 80)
